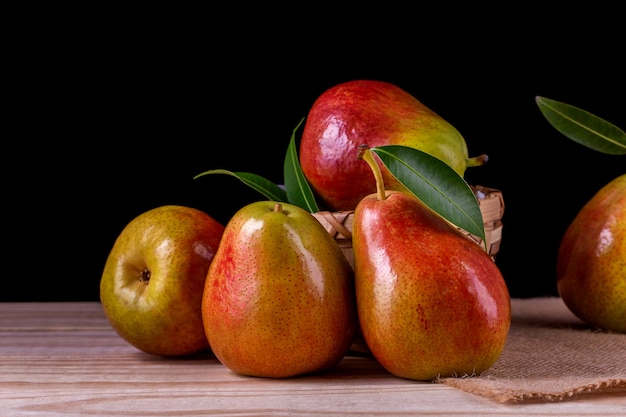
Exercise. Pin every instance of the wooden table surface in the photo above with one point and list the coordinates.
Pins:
(64, 359)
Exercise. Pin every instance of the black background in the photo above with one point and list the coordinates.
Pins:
(114, 116)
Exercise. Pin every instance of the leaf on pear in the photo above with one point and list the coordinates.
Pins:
(297, 187)
(436, 184)
(583, 127)
(264, 186)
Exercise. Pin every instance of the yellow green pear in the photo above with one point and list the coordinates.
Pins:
(279, 295)
(152, 282)
(591, 263)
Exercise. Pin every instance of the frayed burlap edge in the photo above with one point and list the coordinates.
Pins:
(510, 392)
(550, 355)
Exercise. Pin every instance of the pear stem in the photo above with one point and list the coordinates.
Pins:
(366, 154)
(477, 161)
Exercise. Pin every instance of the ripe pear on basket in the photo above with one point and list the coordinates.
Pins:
(431, 302)
(377, 113)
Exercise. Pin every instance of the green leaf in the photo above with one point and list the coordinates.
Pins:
(264, 186)
(298, 190)
(436, 184)
(583, 127)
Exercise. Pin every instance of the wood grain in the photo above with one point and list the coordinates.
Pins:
(63, 359)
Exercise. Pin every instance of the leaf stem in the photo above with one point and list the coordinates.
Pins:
(366, 154)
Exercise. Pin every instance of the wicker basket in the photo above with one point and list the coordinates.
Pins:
(490, 200)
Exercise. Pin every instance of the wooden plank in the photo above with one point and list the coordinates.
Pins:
(64, 359)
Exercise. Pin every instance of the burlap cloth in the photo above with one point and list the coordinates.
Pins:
(550, 355)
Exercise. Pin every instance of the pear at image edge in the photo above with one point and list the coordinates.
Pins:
(591, 262)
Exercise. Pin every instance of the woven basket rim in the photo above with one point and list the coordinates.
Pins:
(491, 203)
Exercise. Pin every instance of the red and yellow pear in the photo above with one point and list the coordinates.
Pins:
(279, 295)
(431, 302)
(591, 263)
(374, 113)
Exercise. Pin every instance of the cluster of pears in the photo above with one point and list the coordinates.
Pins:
(272, 294)
(281, 299)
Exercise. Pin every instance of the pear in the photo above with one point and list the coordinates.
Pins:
(431, 303)
(374, 113)
(152, 281)
(279, 294)
(591, 262)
